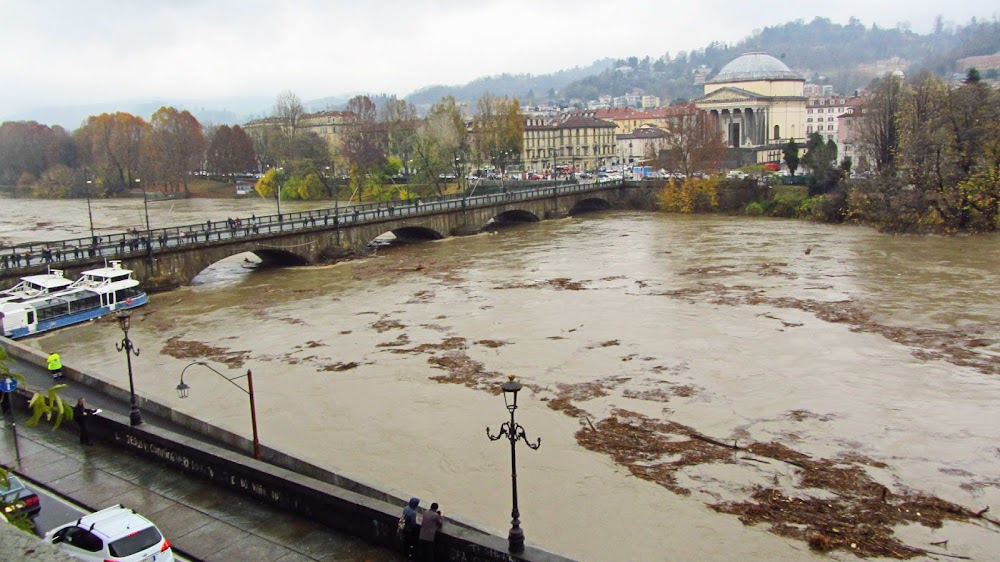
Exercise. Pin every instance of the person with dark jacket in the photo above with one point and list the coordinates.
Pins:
(410, 529)
(81, 413)
(433, 521)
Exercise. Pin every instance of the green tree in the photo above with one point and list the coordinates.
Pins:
(821, 159)
(441, 139)
(363, 146)
(790, 153)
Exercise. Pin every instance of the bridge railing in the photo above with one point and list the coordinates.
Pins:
(138, 242)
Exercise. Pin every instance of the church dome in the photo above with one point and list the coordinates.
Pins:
(752, 67)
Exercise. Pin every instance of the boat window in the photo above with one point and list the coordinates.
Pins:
(31, 317)
(123, 294)
(120, 278)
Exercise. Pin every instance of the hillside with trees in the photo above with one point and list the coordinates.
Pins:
(825, 52)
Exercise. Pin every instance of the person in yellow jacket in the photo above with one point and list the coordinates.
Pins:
(55, 366)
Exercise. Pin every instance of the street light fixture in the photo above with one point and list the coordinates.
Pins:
(90, 215)
(336, 201)
(149, 233)
(513, 431)
(183, 390)
(124, 320)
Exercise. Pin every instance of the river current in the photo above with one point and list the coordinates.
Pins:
(836, 342)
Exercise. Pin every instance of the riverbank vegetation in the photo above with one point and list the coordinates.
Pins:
(930, 153)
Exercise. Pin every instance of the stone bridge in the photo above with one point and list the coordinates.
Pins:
(176, 255)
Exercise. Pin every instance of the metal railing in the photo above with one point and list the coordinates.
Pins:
(135, 242)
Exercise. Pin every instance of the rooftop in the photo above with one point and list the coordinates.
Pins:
(752, 67)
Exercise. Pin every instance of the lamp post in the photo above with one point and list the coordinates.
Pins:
(513, 431)
(149, 233)
(183, 390)
(124, 320)
(336, 200)
(90, 215)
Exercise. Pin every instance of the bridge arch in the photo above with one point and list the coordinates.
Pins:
(590, 205)
(408, 234)
(514, 216)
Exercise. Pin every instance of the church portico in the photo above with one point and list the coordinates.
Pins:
(757, 103)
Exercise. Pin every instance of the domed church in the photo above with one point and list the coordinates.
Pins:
(758, 104)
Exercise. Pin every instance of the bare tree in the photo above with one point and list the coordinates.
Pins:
(878, 127)
(288, 110)
(693, 144)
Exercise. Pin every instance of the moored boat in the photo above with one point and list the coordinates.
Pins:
(96, 293)
(35, 285)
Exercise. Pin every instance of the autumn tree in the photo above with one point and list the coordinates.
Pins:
(691, 195)
(498, 130)
(175, 148)
(28, 149)
(693, 144)
(230, 151)
(111, 144)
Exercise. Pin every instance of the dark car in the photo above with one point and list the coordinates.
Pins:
(17, 499)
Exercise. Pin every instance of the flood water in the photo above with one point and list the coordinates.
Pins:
(834, 341)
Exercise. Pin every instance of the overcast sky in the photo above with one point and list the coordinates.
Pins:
(77, 52)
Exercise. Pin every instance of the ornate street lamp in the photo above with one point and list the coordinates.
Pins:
(124, 320)
(513, 431)
(183, 390)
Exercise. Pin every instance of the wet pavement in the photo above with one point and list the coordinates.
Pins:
(201, 521)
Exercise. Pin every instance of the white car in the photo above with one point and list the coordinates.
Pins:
(113, 534)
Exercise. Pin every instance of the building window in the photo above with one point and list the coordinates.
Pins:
(777, 133)
(829, 127)
(809, 129)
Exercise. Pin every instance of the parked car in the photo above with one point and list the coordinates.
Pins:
(113, 534)
(17, 498)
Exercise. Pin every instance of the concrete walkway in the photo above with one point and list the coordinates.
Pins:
(202, 522)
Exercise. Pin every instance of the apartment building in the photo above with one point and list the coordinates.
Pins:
(579, 140)
(822, 113)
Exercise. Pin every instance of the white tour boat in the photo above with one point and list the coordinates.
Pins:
(96, 293)
(34, 285)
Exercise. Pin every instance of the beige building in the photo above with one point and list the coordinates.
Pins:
(581, 141)
(329, 125)
(759, 105)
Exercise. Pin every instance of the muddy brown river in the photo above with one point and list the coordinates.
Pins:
(707, 388)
